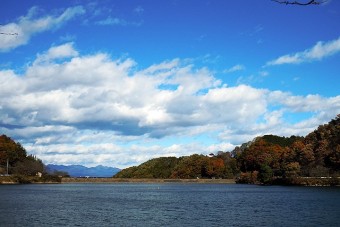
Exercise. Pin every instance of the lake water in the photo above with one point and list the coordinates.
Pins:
(174, 204)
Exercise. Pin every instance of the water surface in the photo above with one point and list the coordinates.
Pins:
(172, 204)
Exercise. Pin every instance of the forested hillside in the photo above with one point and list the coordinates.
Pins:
(193, 166)
(264, 159)
(18, 160)
(268, 157)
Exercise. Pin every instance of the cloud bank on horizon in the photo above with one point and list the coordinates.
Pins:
(70, 100)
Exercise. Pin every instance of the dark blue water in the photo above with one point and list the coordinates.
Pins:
(168, 205)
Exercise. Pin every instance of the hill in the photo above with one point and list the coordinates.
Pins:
(265, 159)
(82, 171)
(187, 167)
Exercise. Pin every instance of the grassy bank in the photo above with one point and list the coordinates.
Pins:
(21, 179)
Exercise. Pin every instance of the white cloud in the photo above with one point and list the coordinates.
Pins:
(235, 68)
(264, 73)
(118, 21)
(112, 21)
(29, 25)
(58, 52)
(309, 103)
(110, 154)
(319, 51)
(74, 109)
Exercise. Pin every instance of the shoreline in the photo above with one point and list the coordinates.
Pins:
(145, 180)
(309, 181)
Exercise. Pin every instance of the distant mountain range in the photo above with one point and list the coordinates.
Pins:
(82, 171)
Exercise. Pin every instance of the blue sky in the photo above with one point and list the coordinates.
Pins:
(120, 82)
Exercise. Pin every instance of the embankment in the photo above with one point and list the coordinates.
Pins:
(133, 180)
(20, 179)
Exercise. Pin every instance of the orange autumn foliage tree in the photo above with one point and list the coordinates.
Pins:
(316, 155)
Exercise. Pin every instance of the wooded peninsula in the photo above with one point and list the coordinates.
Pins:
(269, 159)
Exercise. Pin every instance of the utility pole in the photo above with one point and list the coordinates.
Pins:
(7, 166)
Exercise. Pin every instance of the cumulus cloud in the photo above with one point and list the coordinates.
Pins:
(27, 26)
(69, 108)
(319, 51)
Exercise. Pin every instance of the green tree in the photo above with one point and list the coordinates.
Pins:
(155, 168)
(10, 150)
(291, 169)
(19, 161)
(28, 167)
(265, 175)
(192, 166)
(230, 164)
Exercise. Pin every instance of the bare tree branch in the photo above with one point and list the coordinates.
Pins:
(8, 33)
(311, 2)
(5, 33)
